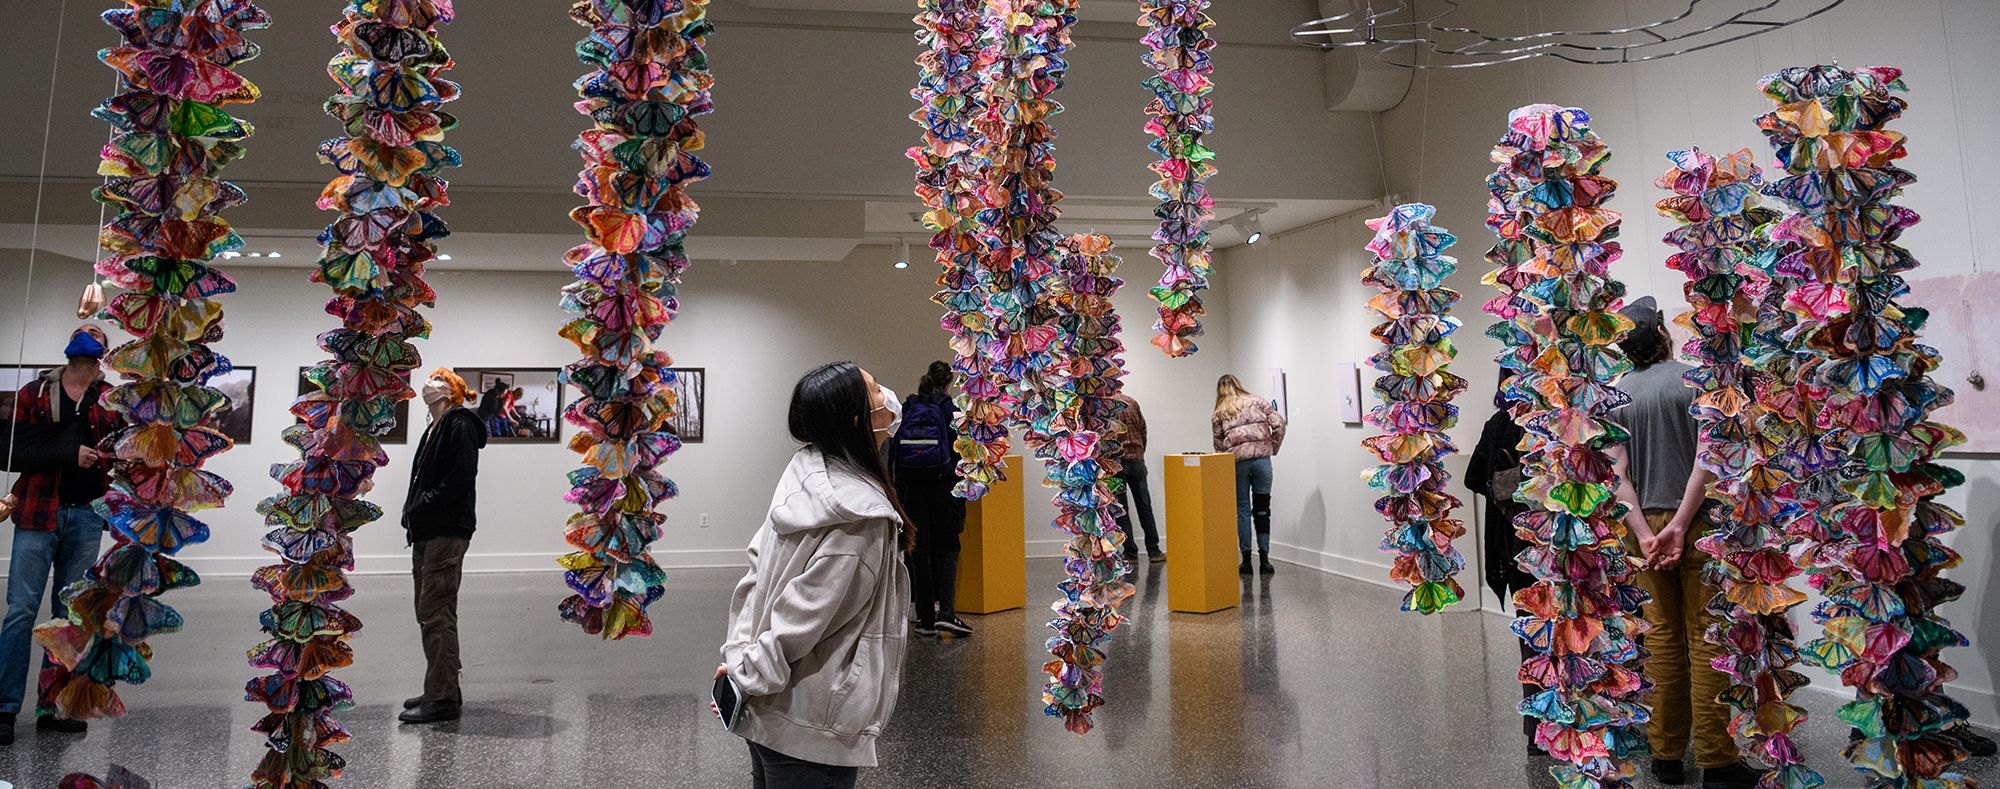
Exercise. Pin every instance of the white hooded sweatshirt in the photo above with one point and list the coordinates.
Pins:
(818, 626)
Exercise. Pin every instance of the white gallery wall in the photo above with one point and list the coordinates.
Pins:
(1295, 302)
(755, 327)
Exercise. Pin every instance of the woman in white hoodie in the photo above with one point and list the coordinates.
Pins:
(818, 626)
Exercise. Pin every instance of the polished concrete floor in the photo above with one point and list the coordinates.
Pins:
(1316, 681)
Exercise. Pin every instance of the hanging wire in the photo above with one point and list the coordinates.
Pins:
(35, 232)
(1396, 42)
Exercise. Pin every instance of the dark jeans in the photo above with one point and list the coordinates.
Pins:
(437, 565)
(1140, 497)
(770, 769)
(66, 552)
(940, 518)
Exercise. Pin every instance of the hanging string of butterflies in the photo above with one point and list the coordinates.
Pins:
(1177, 51)
(1556, 246)
(1072, 432)
(1410, 269)
(172, 137)
(1875, 553)
(1724, 247)
(1019, 67)
(949, 180)
(650, 84)
(390, 185)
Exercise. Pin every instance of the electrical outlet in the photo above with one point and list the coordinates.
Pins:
(704, 520)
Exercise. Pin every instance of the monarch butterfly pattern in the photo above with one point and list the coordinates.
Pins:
(1181, 114)
(172, 137)
(1875, 550)
(1553, 259)
(1410, 269)
(1724, 246)
(949, 173)
(649, 83)
(1072, 430)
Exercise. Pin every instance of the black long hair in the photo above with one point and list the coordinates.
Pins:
(936, 379)
(830, 413)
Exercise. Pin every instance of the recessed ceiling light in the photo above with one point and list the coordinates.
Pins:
(444, 257)
(256, 254)
(275, 255)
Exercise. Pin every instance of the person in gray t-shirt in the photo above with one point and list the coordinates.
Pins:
(1660, 462)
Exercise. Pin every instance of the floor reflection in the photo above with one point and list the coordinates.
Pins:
(1314, 681)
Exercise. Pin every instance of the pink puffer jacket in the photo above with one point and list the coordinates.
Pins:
(1257, 431)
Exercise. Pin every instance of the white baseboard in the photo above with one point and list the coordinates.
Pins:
(477, 563)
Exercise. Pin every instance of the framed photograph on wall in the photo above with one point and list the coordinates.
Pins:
(1278, 396)
(399, 435)
(15, 376)
(240, 387)
(520, 405)
(1347, 392)
(690, 419)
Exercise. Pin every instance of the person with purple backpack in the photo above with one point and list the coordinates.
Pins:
(924, 463)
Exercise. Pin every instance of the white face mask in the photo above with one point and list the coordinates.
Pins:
(434, 391)
(893, 406)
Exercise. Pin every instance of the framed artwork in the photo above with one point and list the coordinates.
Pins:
(400, 435)
(15, 376)
(240, 386)
(690, 420)
(1347, 392)
(1278, 396)
(520, 405)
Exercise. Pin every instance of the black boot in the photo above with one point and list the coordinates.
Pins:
(1733, 776)
(431, 712)
(1264, 564)
(60, 725)
(1669, 771)
(7, 728)
(412, 702)
(1245, 568)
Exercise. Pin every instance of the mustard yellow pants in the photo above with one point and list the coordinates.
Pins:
(1685, 685)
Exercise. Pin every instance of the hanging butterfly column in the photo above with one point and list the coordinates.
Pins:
(1555, 252)
(1410, 268)
(1177, 47)
(163, 167)
(387, 194)
(1069, 432)
(651, 82)
(949, 182)
(1880, 562)
(1725, 249)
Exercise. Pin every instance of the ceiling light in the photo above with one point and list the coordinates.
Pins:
(256, 254)
(1250, 225)
(275, 255)
(444, 257)
(902, 253)
(232, 254)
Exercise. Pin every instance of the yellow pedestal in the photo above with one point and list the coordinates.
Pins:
(1201, 533)
(992, 555)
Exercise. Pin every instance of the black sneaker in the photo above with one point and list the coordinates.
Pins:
(955, 626)
(1671, 773)
(60, 725)
(926, 629)
(1975, 743)
(1734, 776)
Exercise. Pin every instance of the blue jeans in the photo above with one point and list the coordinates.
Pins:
(1141, 497)
(68, 551)
(1253, 503)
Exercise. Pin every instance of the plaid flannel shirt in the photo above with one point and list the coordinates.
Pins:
(39, 493)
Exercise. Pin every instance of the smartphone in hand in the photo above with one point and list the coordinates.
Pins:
(728, 701)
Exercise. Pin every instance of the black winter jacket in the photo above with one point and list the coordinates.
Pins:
(442, 501)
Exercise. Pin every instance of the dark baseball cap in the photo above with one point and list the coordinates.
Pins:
(1645, 314)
